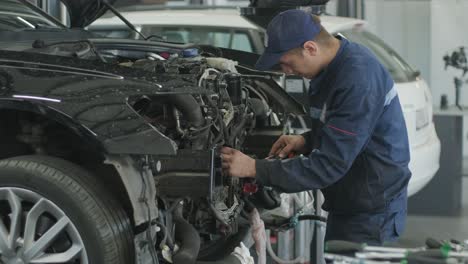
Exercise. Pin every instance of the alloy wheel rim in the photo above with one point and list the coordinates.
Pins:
(33, 229)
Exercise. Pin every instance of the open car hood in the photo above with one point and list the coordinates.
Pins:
(84, 12)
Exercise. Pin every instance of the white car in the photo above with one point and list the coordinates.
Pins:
(224, 27)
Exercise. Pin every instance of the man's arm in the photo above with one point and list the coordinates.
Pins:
(344, 135)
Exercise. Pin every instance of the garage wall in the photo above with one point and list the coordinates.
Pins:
(405, 26)
(449, 28)
(332, 7)
(423, 31)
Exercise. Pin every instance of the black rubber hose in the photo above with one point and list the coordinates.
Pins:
(192, 112)
(188, 239)
(223, 247)
(189, 107)
(276, 224)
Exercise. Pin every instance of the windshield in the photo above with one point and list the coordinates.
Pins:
(398, 68)
(218, 37)
(16, 16)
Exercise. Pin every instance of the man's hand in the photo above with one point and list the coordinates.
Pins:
(237, 164)
(286, 145)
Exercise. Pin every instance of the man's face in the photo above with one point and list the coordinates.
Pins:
(301, 62)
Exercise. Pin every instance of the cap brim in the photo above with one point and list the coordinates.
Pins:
(268, 60)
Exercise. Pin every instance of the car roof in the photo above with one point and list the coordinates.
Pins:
(335, 24)
(209, 17)
(228, 18)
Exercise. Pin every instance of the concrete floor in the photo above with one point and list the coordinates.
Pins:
(418, 228)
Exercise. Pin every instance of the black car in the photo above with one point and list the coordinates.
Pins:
(109, 147)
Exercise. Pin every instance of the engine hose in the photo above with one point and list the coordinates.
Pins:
(275, 257)
(292, 222)
(191, 110)
(188, 238)
(189, 241)
(167, 238)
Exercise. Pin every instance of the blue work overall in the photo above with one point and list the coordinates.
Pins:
(359, 150)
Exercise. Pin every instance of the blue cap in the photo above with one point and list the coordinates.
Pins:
(288, 30)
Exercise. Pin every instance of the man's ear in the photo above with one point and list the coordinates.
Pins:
(311, 48)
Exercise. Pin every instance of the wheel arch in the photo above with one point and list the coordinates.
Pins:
(82, 146)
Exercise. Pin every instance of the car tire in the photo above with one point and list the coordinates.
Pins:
(47, 196)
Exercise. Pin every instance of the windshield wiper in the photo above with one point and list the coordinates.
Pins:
(128, 23)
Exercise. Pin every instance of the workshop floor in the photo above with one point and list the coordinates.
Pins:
(418, 228)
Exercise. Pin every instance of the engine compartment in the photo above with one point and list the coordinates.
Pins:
(230, 108)
(224, 115)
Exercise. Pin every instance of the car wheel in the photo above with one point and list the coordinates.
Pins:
(53, 211)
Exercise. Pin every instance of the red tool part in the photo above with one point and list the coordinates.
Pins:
(250, 188)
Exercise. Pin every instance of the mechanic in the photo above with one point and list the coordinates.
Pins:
(357, 151)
